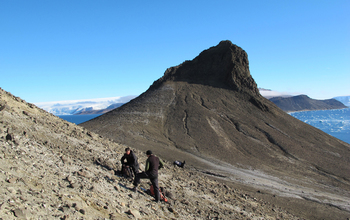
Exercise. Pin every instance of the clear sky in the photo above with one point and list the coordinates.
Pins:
(54, 50)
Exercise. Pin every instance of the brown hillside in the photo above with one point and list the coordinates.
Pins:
(209, 112)
(53, 169)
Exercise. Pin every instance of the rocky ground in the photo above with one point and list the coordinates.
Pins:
(37, 184)
(52, 169)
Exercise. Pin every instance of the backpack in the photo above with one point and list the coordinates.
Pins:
(179, 163)
(127, 172)
(162, 196)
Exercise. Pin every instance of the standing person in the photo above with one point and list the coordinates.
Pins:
(131, 161)
(153, 163)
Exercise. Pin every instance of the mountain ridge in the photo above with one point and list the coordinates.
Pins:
(305, 103)
(209, 112)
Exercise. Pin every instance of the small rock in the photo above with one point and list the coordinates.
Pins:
(135, 213)
(73, 185)
(185, 202)
(11, 190)
(9, 137)
(63, 208)
(12, 180)
(169, 195)
(19, 213)
(84, 173)
(65, 159)
(69, 179)
(170, 209)
(113, 217)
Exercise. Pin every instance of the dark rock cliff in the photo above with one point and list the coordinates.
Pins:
(223, 66)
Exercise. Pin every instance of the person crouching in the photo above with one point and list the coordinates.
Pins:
(131, 161)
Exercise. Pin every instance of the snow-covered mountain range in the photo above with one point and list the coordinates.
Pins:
(73, 107)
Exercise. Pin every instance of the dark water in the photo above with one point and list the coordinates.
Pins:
(77, 119)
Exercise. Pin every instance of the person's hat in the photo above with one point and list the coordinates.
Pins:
(149, 152)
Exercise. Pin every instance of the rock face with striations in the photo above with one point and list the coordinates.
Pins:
(209, 112)
(195, 107)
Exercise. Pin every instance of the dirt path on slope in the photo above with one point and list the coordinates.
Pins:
(306, 198)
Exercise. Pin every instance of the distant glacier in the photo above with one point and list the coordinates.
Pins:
(72, 107)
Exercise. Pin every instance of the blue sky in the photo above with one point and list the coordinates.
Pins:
(84, 49)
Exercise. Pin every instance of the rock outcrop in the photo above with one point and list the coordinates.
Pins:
(209, 112)
(305, 103)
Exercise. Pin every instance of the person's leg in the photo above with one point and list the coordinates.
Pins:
(138, 177)
(134, 171)
(156, 189)
(123, 171)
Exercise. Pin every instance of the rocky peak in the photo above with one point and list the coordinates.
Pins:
(208, 112)
(224, 66)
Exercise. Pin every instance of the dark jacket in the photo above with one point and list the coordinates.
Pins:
(131, 160)
(153, 163)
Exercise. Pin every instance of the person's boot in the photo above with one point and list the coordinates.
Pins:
(134, 189)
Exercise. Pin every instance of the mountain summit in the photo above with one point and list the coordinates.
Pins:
(224, 66)
(199, 106)
(209, 112)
